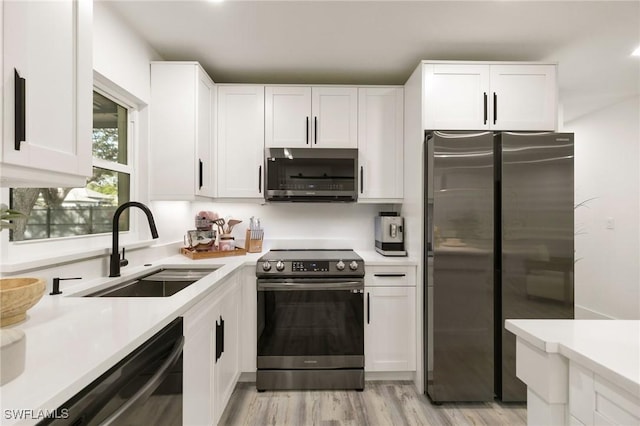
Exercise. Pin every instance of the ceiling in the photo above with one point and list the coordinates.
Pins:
(381, 42)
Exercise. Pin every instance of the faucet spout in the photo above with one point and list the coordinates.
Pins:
(115, 261)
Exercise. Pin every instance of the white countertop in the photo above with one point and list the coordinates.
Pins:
(609, 348)
(71, 340)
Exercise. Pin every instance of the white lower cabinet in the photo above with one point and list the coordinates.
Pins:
(227, 366)
(596, 401)
(390, 319)
(211, 354)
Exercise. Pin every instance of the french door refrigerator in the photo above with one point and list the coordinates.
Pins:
(498, 245)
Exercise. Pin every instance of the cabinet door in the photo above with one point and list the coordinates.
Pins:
(227, 367)
(390, 340)
(335, 115)
(198, 371)
(240, 142)
(287, 117)
(177, 126)
(524, 97)
(206, 94)
(380, 143)
(49, 45)
(456, 97)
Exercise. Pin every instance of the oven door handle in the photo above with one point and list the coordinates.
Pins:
(311, 285)
(152, 384)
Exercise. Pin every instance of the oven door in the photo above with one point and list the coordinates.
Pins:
(310, 323)
(311, 174)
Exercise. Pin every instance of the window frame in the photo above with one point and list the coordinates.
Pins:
(16, 251)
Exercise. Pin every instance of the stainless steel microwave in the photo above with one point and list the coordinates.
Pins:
(311, 174)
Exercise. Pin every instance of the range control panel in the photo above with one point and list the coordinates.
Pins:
(310, 263)
(309, 266)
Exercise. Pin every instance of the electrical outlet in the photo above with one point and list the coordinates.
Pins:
(610, 223)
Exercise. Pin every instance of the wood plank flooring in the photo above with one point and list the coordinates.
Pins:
(380, 404)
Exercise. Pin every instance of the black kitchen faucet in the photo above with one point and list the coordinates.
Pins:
(116, 262)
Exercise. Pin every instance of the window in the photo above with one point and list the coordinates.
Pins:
(65, 212)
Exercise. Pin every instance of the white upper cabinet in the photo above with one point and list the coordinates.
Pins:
(456, 96)
(524, 97)
(304, 117)
(182, 131)
(47, 93)
(468, 96)
(380, 144)
(240, 143)
(287, 116)
(335, 115)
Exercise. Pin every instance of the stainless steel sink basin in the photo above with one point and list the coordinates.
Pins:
(160, 283)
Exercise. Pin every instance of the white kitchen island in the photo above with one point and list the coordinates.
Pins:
(579, 372)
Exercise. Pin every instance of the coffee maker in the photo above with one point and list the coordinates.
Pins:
(389, 234)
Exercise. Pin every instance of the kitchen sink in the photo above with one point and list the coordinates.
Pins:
(163, 282)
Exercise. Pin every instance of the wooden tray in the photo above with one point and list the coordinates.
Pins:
(196, 255)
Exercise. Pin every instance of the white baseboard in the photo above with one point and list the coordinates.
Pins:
(389, 375)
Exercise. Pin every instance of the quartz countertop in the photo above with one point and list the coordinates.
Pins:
(72, 340)
(609, 348)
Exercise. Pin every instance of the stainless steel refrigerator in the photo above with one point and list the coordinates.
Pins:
(498, 244)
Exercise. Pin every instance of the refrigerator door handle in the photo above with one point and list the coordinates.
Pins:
(456, 135)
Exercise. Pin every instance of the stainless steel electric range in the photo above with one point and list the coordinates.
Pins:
(310, 320)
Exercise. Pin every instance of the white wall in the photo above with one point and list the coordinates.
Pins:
(607, 160)
(120, 54)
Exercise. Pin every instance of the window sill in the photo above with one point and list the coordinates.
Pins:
(68, 257)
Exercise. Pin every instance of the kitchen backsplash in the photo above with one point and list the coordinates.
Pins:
(347, 224)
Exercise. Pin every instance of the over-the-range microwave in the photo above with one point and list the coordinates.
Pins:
(311, 174)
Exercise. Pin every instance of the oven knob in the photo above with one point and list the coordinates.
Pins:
(280, 265)
(353, 265)
(340, 265)
(266, 266)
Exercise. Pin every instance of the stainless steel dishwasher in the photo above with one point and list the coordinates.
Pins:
(144, 388)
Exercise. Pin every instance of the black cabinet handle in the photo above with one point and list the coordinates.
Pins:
(485, 108)
(307, 132)
(368, 309)
(260, 179)
(361, 179)
(200, 174)
(20, 110)
(495, 107)
(219, 339)
(222, 333)
(315, 130)
(218, 342)
(389, 275)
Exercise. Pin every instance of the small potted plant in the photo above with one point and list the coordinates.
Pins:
(7, 215)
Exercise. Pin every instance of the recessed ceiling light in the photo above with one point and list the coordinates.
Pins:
(636, 52)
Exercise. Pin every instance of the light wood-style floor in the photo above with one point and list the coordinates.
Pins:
(380, 404)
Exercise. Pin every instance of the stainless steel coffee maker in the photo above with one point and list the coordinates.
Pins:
(389, 234)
